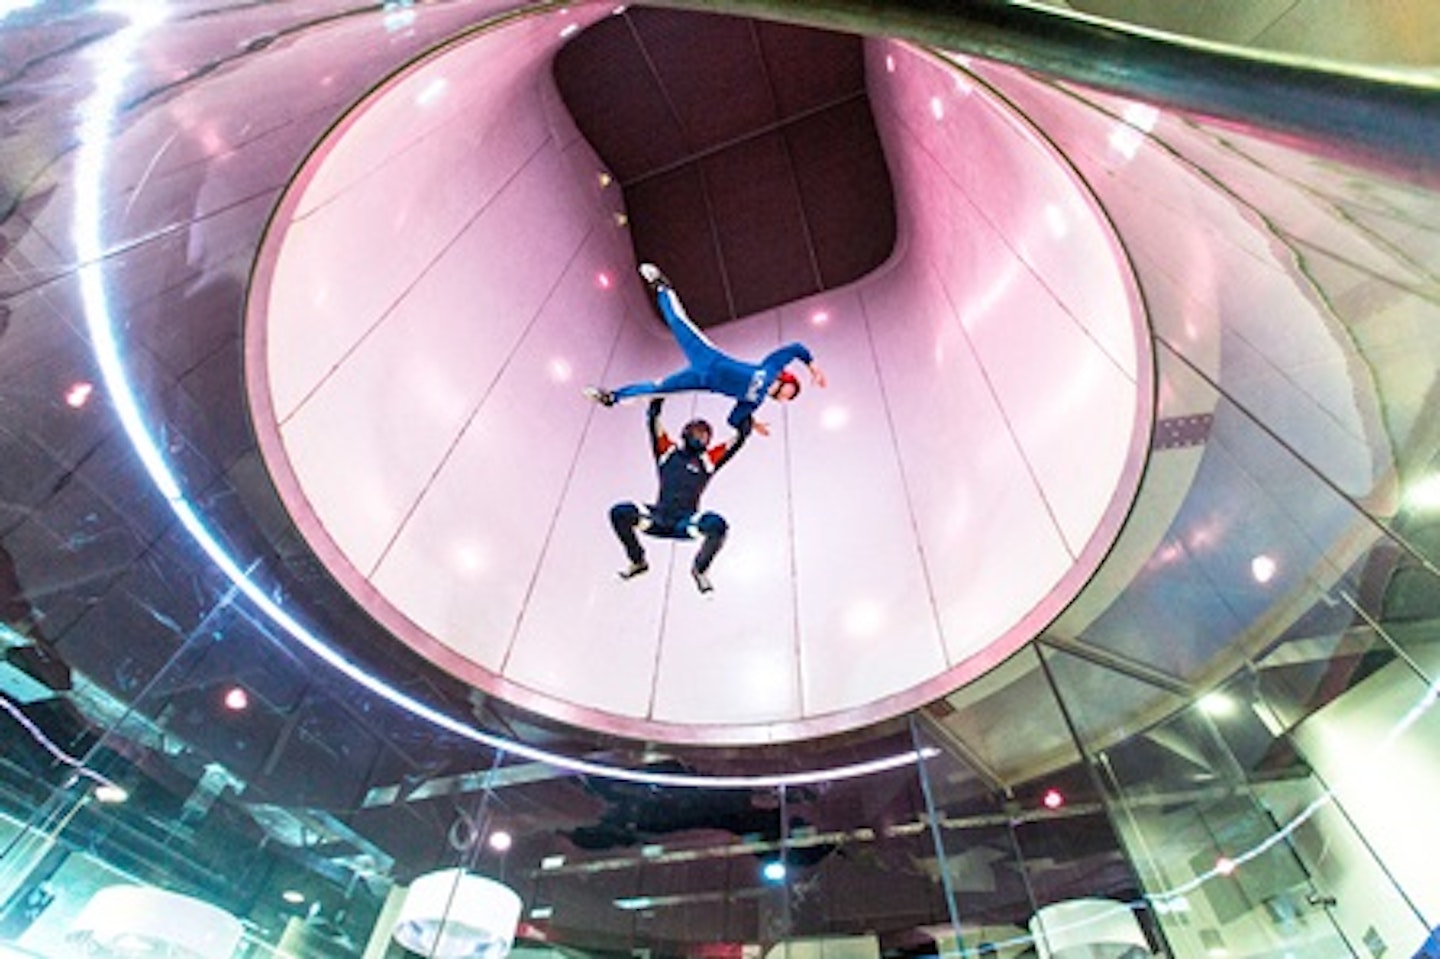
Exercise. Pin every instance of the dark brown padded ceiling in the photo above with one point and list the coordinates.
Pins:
(750, 164)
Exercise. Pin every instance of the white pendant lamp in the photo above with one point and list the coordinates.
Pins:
(453, 914)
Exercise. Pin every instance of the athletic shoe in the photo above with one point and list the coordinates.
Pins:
(600, 395)
(634, 569)
(702, 582)
(652, 276)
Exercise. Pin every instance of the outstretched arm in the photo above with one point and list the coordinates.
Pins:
(742, 418)
(660, 441)
(720, 454)
(793, 352)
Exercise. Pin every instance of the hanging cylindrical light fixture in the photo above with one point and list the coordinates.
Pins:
(453, 914)
(139, 920)
(1087, 929)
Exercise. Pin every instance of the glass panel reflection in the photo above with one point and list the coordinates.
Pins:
(1023, 842)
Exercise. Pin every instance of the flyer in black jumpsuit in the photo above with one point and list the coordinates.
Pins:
(684, 469)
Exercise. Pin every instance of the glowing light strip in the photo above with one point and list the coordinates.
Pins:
(97, 115)
(37, 734)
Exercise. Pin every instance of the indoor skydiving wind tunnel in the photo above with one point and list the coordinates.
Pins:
(1090, 610)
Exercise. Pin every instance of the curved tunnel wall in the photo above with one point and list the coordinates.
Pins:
(448, 271)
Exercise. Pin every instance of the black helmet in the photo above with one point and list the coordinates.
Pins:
(696, 436)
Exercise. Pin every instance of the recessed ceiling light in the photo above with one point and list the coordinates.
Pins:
(78, 394)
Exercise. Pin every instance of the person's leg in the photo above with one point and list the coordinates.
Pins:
(681, 381)
(625, 518)
(696, 346)
(699, 354)
(713, 528)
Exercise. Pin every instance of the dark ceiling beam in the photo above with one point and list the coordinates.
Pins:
(1367, 116)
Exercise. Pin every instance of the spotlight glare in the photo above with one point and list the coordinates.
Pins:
(236, 699)
(773, 871)
(500, 840)
(1424, 494)
(78, 394)
(1217, 704)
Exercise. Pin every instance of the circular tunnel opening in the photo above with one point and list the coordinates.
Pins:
(455, 262)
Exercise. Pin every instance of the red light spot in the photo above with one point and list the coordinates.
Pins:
(1224, 865)
(236, 699)
(604, 280)
(78, 394)
(1053, 799)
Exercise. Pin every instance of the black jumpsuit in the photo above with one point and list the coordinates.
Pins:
(675, 514)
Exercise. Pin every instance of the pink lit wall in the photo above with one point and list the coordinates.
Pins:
(449, 270)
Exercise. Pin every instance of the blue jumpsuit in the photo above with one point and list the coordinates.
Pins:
(711, 370)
